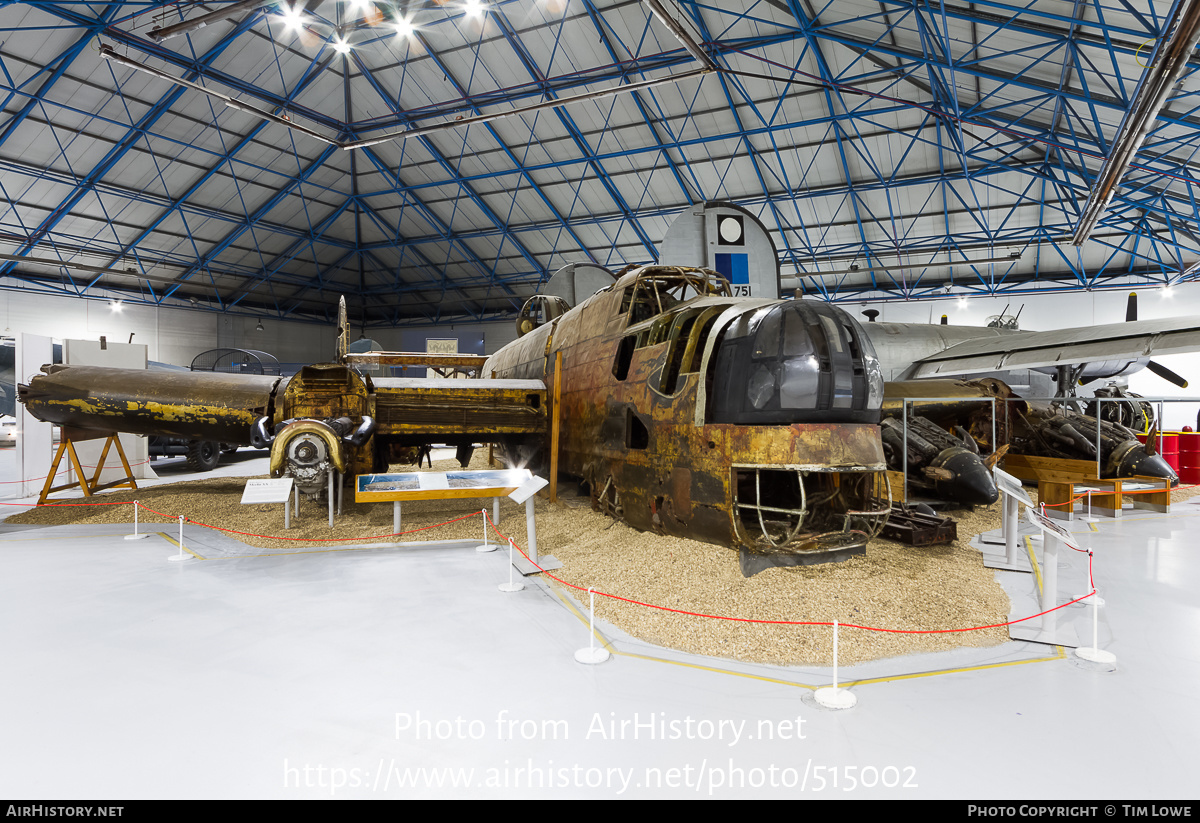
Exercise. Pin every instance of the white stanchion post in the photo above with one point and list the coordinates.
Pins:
(486, 546)
(511, 585)
(176, 558)
(330, 493)
(831, 697)
(1089, 518)
(136, 534)
(1095, 654)
(591, 655)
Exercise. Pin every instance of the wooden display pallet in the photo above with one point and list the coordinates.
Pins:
(1057, 480)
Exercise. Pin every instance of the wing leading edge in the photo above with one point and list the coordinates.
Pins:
(1039, 349)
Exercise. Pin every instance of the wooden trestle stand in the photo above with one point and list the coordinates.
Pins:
(69, 438)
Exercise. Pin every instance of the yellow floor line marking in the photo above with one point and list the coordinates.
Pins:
(1058, 655)
(176, 542)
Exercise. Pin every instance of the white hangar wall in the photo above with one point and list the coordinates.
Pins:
(172, 335)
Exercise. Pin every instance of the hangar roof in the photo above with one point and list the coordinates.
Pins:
(436, 160)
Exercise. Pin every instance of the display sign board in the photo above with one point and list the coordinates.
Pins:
(438, 485)
(1050, 527)
(440, 345)
(1011, 486)
(267, 491)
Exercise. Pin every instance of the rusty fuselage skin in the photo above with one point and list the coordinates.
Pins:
(636, 428)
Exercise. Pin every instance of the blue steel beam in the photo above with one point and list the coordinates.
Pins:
(115, 154)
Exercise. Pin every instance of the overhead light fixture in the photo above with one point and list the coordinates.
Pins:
(293, 17)
(259, 327)
(341, 45)
(474, 8)
(116, 306)
(1155, 88)
(404, 27)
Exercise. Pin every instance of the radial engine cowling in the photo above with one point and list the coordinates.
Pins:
(307, 451)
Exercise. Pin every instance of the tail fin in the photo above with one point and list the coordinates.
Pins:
(343, 332)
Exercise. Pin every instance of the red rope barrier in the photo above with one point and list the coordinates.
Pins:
(786, 622)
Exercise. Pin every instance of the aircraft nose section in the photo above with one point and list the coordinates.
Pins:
(962, 477)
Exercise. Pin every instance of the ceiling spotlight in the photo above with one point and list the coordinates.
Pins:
(404, 27)
(341, 45)
(259, 327)
(115, 306)
(293, 17)
(962, 302)
(474, 8)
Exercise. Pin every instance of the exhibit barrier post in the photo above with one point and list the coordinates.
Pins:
(591, 655)
(1088, 518)
(136, 534)
(832, 697)
(1095, 654)
(510, 586)
(176, 558)
(486, 546)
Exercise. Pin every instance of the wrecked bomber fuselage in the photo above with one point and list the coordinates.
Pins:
(746, 423)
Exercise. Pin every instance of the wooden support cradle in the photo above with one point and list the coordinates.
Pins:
(67, 445)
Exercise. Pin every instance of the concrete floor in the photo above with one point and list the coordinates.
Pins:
(378, 673)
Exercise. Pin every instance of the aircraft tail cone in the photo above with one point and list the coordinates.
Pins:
(961, 476)
(1137, 462)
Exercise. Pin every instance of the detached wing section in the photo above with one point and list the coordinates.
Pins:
(195, 405)
(415, 411)
(1035, 349)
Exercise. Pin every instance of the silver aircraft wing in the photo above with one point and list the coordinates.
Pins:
(1036, 349)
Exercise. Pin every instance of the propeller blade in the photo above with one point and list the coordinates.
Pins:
(1152, 439)
(1131, 308)
(1166, 374)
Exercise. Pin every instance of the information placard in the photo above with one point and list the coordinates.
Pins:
(262, 490)
(1011, 485)
(1047, 525)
